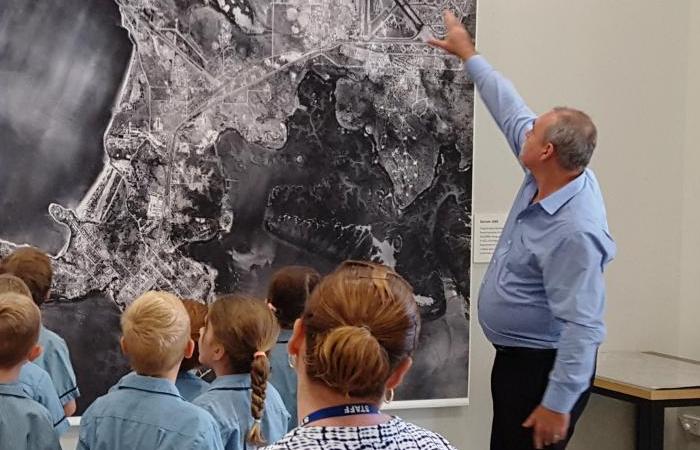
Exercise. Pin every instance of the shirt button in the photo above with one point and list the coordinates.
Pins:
(509, 241)
(520, 220)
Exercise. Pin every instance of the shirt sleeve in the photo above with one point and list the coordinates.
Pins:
(508, 109)
(211, 439)
(575, 289)
(43, 435)
(46, 395)
(57, 362)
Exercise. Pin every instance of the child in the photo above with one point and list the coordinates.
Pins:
(239, 331)
(34, 380)
(24, 423)
(289, 288)
(34, 268)
(146, 410)
(189, 384)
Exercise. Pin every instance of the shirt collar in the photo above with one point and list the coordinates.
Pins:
(12, 389)
(187, 375)
(149, 384)
(239, 380)
(553, 202)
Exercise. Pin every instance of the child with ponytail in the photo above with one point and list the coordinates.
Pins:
(235, 342)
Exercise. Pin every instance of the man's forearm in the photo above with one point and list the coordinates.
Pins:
(573, 367)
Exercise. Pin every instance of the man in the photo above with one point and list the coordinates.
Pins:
(541, 302)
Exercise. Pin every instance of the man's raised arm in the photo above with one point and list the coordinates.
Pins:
(504, 103)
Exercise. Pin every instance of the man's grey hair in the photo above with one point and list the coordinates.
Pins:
(574, 137)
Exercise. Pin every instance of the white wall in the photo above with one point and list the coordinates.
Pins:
(625, 63)
(690, 252)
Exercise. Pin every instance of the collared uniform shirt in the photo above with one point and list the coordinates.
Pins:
(544, 287)
(392, 435)
(283, 377)
(147, 413)
(55, 359)
(36, 383)
(24, 423)
(228, 400)
(190, 385)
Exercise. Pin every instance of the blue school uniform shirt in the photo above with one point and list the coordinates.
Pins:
(24, 423)
(55, 359)
(283, 377)
(36, 383)
(228, 400)
(190, 385)
(147, 413)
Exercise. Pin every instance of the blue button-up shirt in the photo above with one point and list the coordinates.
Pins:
(283, 377)
(55, 359)
(37, 384)
(228, 400)
(544, 287)
(190, 385)
(24, 423)
(147, 413)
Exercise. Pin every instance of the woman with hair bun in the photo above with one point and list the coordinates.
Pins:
(351, 349)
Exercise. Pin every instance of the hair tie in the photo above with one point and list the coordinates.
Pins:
(256, 354)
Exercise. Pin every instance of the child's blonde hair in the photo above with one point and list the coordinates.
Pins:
(156, 330)
(20, 320)
(248, 330)
(11, 283)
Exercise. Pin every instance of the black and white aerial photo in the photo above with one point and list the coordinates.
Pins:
(196, 146)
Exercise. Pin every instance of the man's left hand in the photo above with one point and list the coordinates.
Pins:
(548, 427)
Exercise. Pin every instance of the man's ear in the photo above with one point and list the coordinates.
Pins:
(397, 376)
(548, 152)
(35, 352)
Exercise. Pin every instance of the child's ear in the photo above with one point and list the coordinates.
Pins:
(122, 344)
(189, 349)
(35, 352)
(219, 352)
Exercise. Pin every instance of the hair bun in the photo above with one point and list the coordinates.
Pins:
(349, 358)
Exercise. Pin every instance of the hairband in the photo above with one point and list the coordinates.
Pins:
(256, 354)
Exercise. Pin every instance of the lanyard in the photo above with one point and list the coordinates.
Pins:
(353, 409)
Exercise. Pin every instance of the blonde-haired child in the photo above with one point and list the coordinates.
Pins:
(35, 381)
(146, 409)
(24, 423)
